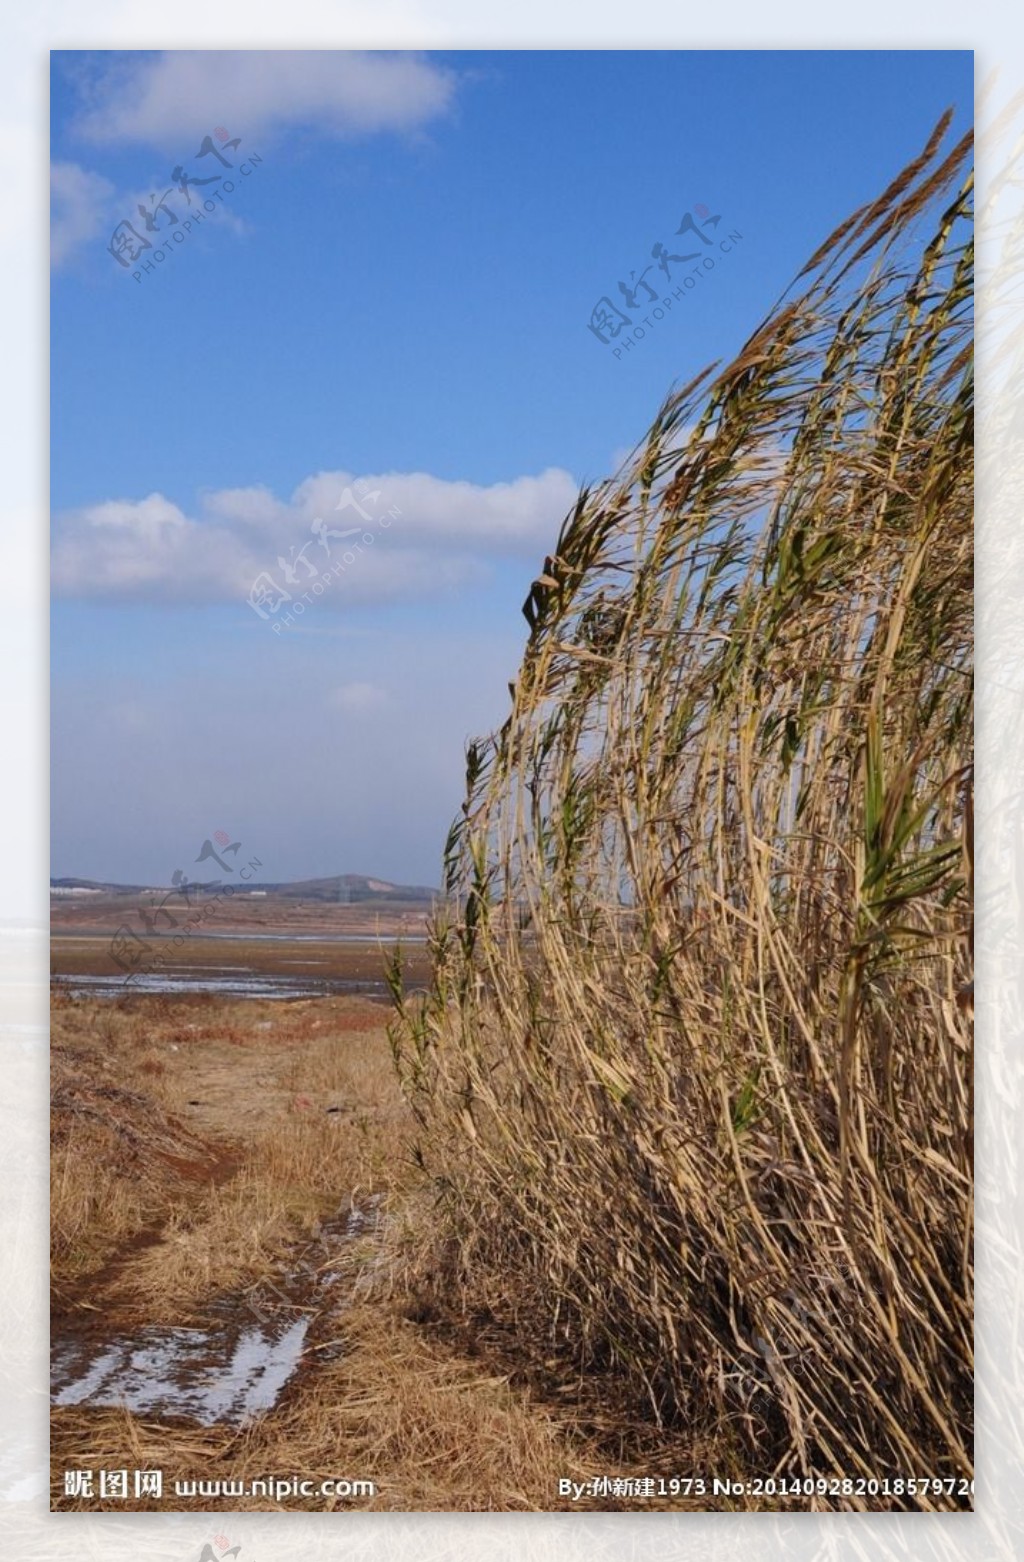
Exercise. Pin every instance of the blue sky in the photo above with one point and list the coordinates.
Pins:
(392, 305)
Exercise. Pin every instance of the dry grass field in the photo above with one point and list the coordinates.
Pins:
(199, 1146)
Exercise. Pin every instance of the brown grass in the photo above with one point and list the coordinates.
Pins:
(167, 1207)
(155, 1098)
(695, 1078)
(117, 1156)
(433, 1431)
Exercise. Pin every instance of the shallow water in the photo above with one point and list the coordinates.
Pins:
(205, 1374)
(370, 939)
(229, 981)
(245, 935)
(228, 1372)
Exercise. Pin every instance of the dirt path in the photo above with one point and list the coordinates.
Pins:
(257, 1157)
(240, 1113)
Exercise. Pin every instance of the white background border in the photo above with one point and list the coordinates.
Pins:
(27, 1530)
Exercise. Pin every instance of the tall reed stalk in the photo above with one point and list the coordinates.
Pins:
(694, 1077)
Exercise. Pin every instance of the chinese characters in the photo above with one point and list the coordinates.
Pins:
(161, 223)
(113, 1484)
(609, 320)
(133, 949)
(267, 595)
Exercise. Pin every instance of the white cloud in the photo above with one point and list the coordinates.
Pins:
(504, 517)
(186, 93)
(85, 205)
(426, 536)
(355, 698)
(170, 101)
(81, 203)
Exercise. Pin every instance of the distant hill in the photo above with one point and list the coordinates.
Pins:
(349, 889)
(94, 887)
(340, 889)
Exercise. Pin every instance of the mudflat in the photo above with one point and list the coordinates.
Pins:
(239, 948)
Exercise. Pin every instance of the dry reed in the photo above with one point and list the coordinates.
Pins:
(694, 1078)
